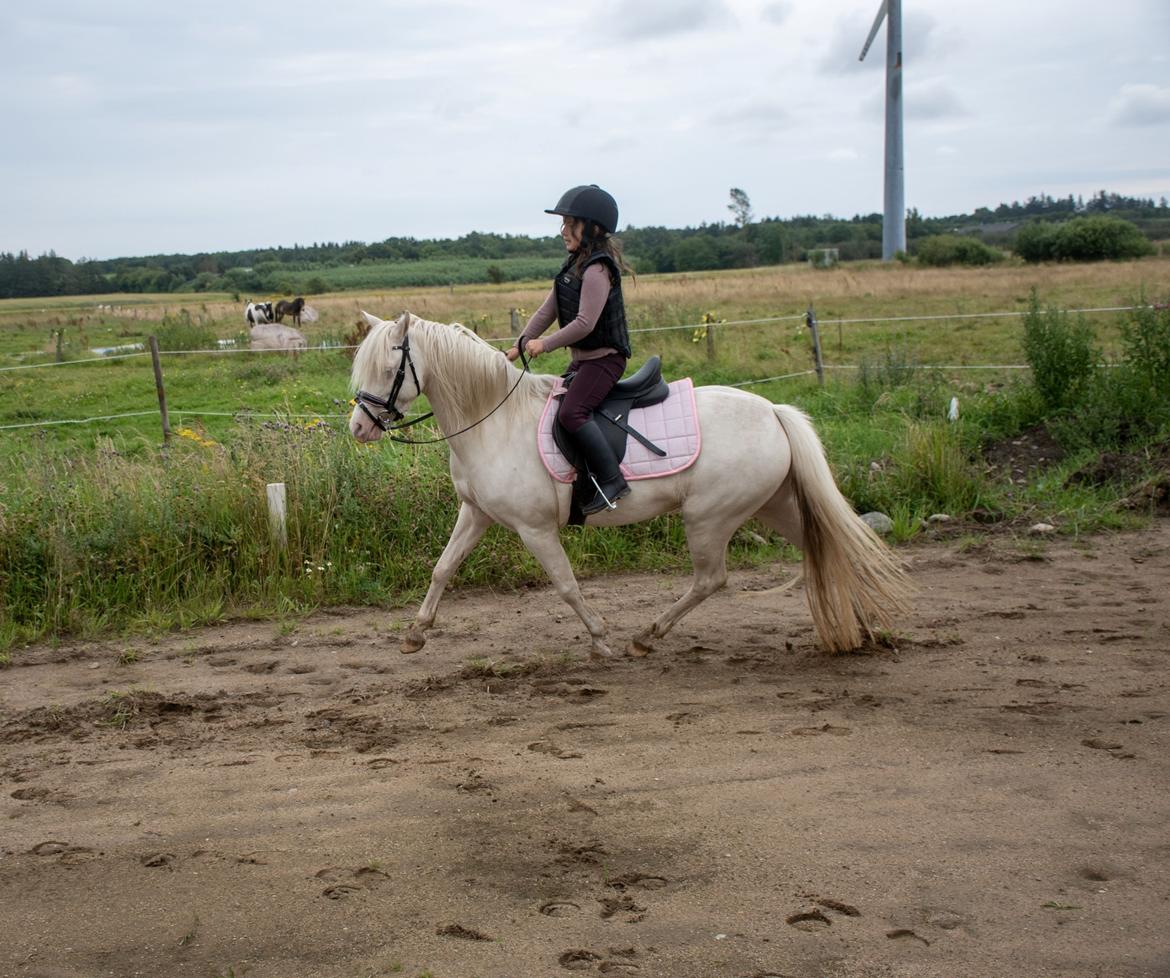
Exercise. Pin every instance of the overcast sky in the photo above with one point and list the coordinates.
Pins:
(134, 128)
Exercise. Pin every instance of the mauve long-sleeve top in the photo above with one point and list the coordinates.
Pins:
(595, 287)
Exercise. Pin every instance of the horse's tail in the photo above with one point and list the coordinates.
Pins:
(853, 581)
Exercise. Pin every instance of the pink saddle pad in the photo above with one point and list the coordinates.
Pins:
(672, 425)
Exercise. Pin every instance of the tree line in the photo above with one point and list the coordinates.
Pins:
(742, 243)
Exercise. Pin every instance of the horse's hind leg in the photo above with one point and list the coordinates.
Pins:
(545, 545)
(782, 514)
(470, 526)
(708, 547)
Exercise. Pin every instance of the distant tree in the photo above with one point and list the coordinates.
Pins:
(915, 225)
(741, 207)
(695, 253)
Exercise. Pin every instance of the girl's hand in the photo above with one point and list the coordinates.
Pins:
(533, 348)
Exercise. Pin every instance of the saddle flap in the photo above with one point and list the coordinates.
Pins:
(672, 424)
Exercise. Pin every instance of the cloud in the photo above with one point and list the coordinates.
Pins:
(1140, 105)
(777, 12)
(640, 20)
(933, 100)
(755, 114)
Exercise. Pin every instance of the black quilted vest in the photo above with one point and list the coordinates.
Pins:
(611, 328)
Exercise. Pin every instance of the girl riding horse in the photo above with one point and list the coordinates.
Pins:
(586, 300)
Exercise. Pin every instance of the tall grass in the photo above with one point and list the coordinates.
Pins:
(182, 538)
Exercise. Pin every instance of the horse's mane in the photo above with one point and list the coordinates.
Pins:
(463, 371)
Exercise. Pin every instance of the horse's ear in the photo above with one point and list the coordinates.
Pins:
(372, 320)
(403, 318)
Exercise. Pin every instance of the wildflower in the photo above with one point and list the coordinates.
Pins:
(195, 437)
(709, 319)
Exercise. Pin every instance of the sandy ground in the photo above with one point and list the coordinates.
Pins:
(986, 796)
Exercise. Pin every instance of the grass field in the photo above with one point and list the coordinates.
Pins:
(101, 527)
(315, 384)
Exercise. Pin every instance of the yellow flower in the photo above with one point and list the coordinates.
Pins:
(195, 437)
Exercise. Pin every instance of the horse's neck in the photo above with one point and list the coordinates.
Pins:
(472, 389)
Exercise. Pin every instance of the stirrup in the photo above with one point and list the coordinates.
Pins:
(607, 501)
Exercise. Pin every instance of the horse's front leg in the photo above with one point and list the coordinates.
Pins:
(545, 545)
(470, 526)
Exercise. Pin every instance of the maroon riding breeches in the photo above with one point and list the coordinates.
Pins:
(592, 381)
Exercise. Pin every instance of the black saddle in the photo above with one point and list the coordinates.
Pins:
(642, 389)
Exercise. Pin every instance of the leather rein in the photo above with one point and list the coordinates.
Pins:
(387, 415)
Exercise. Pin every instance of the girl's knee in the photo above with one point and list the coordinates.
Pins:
(572, 420)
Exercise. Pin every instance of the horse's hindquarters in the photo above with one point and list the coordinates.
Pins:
(743, 460)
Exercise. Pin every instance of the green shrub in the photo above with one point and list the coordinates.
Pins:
(1145, 337)
(955, 249)
(1113, 410)
(1116, 405)
(1060, 352)
(1036, 241)
(1100, 238)
(1082, 239)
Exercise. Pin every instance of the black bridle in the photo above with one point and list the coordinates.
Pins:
(388, 416)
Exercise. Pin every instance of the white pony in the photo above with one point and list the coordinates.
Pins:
(758, 459)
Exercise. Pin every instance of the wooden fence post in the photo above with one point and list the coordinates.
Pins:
(60, 341)
(515, 322)
(709, 323)
(158, 384)
(811, 319)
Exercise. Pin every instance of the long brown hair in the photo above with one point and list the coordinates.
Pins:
(594, 240)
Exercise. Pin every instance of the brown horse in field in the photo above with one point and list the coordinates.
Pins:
(290, 307)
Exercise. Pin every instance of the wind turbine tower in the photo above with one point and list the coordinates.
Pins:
(894, 217)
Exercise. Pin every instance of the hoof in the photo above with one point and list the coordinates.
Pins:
(639, 649)
(412, 642)
(600, 652)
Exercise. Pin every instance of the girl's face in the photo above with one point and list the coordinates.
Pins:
(571, 229)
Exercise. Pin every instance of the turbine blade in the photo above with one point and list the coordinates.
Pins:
(877, 23)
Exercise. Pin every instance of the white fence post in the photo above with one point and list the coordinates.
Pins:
(277, 524)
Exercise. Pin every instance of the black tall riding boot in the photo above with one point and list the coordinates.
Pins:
(603, 468)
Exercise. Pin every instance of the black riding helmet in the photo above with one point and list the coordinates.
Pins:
(590, 203)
